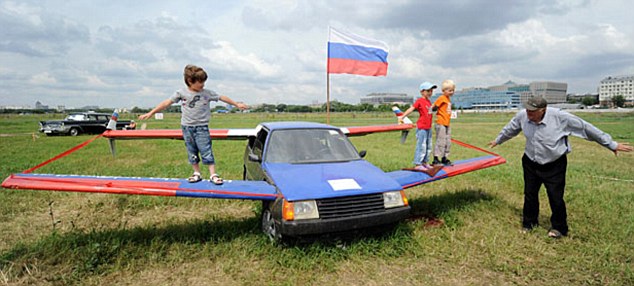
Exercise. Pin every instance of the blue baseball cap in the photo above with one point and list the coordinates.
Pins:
(426, 86)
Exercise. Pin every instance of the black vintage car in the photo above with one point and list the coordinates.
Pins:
(84, 122)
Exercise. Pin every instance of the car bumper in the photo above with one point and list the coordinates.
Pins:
(54, 130)
(319, 226)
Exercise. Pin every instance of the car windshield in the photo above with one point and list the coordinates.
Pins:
(76, 117)
(309, 146)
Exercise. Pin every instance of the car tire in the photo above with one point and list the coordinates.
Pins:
(268, 223)
(73, 132)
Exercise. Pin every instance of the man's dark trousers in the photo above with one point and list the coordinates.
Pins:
(553, 176)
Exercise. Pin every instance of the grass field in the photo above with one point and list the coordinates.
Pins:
(463, 230)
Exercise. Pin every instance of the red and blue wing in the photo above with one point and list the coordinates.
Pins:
(236, 134)
(409, 179)
(254, 190)
(365, 130)
(250, 190)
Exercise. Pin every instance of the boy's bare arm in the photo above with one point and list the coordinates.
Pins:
(164, 104)
(228, 100)
(406, 113)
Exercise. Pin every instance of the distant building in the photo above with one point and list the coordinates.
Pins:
(387, 98)
(509, 95)
(39, 105)
(553, 92)
(617, 85)
(483, 99)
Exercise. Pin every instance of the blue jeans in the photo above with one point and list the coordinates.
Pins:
(198, 140)
(423, 146)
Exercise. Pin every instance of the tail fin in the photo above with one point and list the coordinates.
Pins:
(405, 120)
(112, 124)
(398, 112)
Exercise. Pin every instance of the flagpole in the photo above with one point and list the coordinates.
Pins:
(328, 81)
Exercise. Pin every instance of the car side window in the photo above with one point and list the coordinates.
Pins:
(76, 117)
(258, 145)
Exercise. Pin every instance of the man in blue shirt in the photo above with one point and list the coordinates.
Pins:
(544, 162)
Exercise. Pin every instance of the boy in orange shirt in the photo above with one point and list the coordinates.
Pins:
(442, 106)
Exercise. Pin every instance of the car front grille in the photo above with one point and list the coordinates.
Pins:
(350, 206)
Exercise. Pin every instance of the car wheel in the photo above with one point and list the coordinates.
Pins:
(268, 222)
(73, 132)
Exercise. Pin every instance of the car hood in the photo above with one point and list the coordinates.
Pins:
(327, 180)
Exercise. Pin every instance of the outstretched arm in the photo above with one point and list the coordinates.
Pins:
(164, 104)
(509, 131)
(239, 105)
(406, 113)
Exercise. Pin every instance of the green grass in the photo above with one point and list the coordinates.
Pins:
(463, 230)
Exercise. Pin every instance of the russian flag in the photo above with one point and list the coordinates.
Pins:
(354, 54)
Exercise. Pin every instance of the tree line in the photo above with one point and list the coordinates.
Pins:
(335, 106)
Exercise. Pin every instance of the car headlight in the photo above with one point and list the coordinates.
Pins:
(394, 199)
(300, 210)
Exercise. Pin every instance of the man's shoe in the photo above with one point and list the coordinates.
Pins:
(436, 161)
(446, 162)
(553, 233)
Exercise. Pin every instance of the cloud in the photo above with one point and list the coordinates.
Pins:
(285, 15)
(43, 78)
(264, 51)
(226, 59)
(30, 32)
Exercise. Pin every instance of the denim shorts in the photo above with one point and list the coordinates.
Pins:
(198, 141)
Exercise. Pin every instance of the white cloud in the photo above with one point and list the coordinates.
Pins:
(264, 51)
(226, 58)
(43, 79)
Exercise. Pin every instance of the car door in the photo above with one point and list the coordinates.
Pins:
(253, 156)
(102, 122)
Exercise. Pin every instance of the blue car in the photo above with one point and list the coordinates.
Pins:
(325, 186)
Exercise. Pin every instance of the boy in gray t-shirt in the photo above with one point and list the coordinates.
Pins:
(195, 117)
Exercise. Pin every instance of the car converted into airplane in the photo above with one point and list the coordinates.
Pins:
(310, 178)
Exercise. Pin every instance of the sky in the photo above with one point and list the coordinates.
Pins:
(132, 53)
